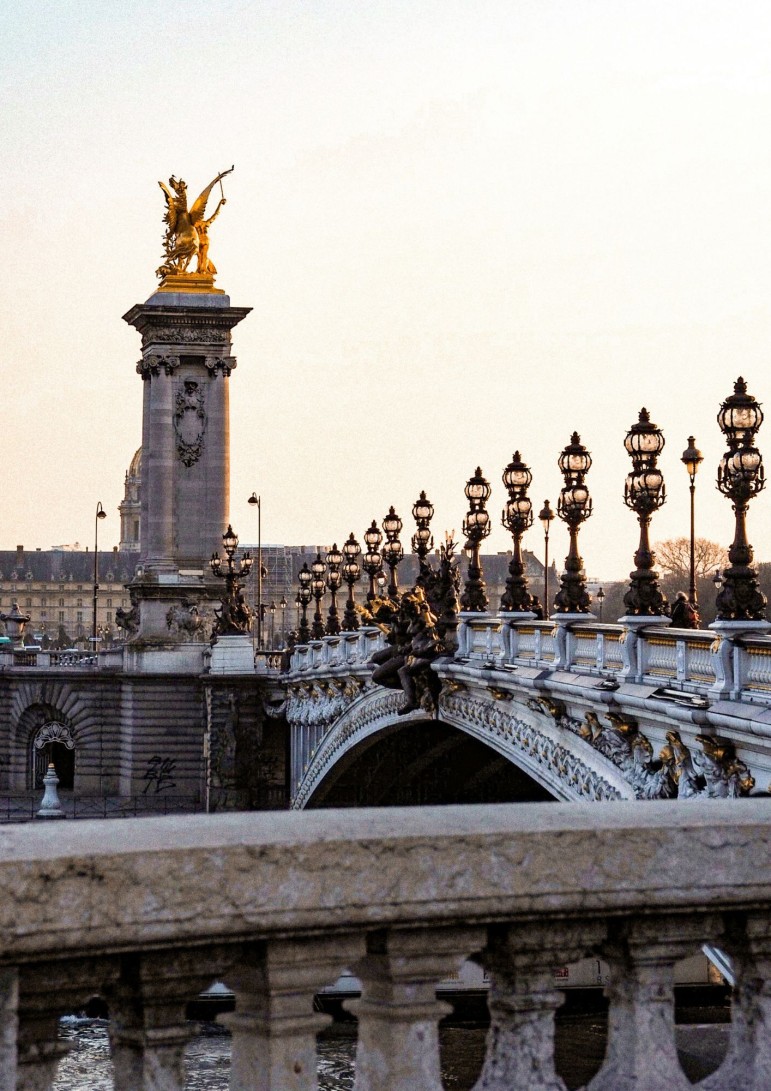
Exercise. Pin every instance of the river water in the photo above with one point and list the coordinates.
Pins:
(579, 1049)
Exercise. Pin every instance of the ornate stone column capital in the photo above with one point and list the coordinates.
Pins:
(216, 364)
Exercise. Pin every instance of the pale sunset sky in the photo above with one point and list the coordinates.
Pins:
(464, 228)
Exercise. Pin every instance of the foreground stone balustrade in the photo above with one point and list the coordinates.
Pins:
(149, 911)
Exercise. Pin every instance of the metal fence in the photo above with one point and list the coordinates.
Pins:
(23, 806)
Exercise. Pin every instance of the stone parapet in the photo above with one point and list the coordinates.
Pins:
(148, 912)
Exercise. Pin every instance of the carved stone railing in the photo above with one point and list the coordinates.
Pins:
(701, 662)
(276, 906)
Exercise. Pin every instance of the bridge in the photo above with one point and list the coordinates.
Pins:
(572, 711)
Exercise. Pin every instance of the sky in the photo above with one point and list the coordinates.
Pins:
(465, 227)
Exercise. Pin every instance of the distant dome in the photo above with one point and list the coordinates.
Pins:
(135, 469)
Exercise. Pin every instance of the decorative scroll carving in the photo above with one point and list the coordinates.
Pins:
(559, 763)
(54, 732)
(190, 422)
(152, 365)
(225, 364)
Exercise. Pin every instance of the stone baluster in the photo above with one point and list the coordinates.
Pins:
(521, 960)
(747, 1064)
(148, 1028)
(46, 991)
(398, 1047)
(641, 1054)
(9, 1022)
(274, 1025)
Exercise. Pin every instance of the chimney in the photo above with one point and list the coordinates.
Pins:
(19, 554)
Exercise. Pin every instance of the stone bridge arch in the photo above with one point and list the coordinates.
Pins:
(330, 735)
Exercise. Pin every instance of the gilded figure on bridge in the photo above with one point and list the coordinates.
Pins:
(187, 230)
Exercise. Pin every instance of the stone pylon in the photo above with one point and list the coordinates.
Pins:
(185, 368)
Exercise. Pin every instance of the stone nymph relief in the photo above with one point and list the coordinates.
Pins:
(190, 422)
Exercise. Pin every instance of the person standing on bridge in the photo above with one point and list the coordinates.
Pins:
(684, 613)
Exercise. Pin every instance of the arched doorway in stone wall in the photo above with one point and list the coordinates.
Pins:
(53, 742)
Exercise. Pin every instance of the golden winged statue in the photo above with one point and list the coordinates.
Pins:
(187, 230)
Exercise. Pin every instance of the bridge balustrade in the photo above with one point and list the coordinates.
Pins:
(734, 668)
(147, 913)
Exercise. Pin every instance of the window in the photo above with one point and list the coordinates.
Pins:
(28, 602)
(61, 615)
(109, 602)
(80, 602)
(79, 616)
(109, 617)
(80, 587)
(44, 613)
(61, 603)
(44, 601)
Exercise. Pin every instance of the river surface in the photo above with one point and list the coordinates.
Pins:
(579, 1049)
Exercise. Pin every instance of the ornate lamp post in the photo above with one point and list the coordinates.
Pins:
(272, 612)
(517, 517)
(334, 579)
(234, 616)
(100, 514)
(304, 596)
(644, 493)
(740, 477)
(283, 605)
(318, 587)
(692, 458)
(351, 573)
(422, 539)
(546, 516)
(392, 550)
(601, 600)
(372, 561)
(574, 507)
(476, 527)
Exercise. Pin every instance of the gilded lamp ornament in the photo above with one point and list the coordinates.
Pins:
(517, 517)
(187, 237)
(644, 493)
(574, 507)
(740, 477)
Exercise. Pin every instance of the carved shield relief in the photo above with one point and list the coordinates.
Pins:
(190, 422)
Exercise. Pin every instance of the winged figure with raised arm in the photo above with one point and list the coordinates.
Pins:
(187, 229)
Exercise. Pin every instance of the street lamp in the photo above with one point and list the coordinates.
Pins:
(318, 586)
(334, 579)
(476, 527)
(422, 539)
(392, 550)
(692, 458)
(601, 600)
(351, 573)
(283, 604)
(234, 616)
(272, 612)
(740, 477)
(372, 561)
(100, 514)
(304, 596)
(574, 507)
(644, 493)
(546, 516)
(254, 499)
(517, 517)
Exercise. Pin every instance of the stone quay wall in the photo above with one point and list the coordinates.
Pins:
(148, 912)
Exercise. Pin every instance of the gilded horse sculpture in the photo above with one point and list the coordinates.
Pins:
(186, 230)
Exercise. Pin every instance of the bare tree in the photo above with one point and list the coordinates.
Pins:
(673, 556)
